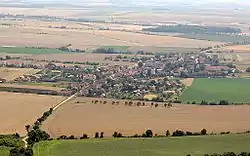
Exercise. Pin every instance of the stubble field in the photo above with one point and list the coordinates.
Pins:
(88, 37)
(12, 73)
(19, 110)
(85, 117)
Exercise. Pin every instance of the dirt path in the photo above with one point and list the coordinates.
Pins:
(54, 108)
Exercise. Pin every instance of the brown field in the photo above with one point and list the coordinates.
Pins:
(85, 117)
(31, 87)
(18, 110)
(12, 73)
(90, 57)
(81, 36)
(239, 48)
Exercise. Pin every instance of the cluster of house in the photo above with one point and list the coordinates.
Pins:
(149, 75)
(180, 65)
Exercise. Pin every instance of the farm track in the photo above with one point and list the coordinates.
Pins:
(54, 108)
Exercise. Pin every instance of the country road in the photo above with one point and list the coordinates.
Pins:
(54, 108)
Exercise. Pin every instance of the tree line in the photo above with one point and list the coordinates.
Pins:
(194, 29)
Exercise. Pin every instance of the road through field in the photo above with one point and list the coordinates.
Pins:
(54, 108)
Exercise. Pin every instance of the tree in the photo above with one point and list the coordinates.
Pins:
(203, 132)
(96, 135)
(27, 127)
(167, 133)
(102, 135)
(115, 134)
(149, 133)
(248, 69)
(178, 133)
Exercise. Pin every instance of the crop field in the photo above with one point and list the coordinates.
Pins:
(80, 37)
(31, 86)
(216, 89)
(85, 57)
(23, 50)
(86, 117)
(4, 151)
(217, 38)
(197, 146)
(12, 73)
(19, 110)
(238, 48)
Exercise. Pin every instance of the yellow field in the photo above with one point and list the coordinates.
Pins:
(83, 37)
(12, 73)
(239, 48)
(18, 110)
(77, 118)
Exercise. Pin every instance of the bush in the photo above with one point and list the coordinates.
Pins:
(96, 135)
(189, 133)
(84, 136)
(203, 132)
(115, 134)
(149, 133)
(167, 133)
(178, 133)
(21, 152)
(102, 135)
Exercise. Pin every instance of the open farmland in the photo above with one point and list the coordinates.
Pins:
(84, 57)
(216, 89)
(196, 146)
(12, 73)
(4, 151)
(31, 86)
(86, 117)
(238, 48)
(88, 39)
(22, 50)
(19, 110)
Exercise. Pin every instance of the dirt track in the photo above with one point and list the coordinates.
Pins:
(89, 118)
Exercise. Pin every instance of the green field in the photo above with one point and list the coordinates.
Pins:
(116, 48)
(219, 37)
(23, 50)
(216, 89)
(4, 151)
(178, 146)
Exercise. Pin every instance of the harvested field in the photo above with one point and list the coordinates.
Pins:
(90, 57)
(12, 73)
(86, 38)
(38, 87)
(85, 117)
(238, 48)
(19, 110)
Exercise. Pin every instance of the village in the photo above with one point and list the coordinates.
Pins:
(148, 77)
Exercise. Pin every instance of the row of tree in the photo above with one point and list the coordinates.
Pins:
(226, 154)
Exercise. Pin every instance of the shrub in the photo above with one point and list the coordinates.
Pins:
(149, 133)
(167, 133)
(72, 137)
(84, 136)
(115, 134)
(178, 133)
(189, 133)
(96, 135)
(102, 135)
(203, 132)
